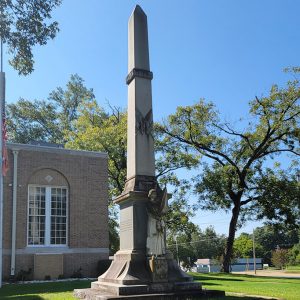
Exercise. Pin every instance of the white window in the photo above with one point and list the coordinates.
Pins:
(47, 215)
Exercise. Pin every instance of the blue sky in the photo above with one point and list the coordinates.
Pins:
(225, 51)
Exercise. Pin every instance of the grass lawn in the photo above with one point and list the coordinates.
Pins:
(292, 269)
(283, 288)
(288, 289)
(62, 290)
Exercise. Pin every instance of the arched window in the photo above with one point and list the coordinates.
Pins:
(47, 210)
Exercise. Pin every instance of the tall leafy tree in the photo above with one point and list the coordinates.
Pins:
(234, 161)
(243, 247)
(210, 244)
(196, 244)
(47, 120)
(271, 237)
(24, 24)
(98, 130)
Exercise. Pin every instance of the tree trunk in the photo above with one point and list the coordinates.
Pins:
(230, 239)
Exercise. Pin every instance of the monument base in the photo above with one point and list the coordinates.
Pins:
(134, 276)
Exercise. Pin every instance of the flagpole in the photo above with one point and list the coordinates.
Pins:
(2, 101)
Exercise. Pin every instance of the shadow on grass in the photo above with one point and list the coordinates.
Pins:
(36, 297)
(22, 297)
(207, 278)
(31, 291)
(208, 283)
(239, 277)
(235, 298)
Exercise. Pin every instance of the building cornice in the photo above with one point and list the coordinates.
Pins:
(28, 147)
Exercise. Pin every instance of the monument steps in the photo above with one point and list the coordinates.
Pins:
(158, 287)
(119, 289)
(91, 294)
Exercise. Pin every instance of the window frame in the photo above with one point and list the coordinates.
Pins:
(48, 216)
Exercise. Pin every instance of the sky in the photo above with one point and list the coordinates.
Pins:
(227, 52)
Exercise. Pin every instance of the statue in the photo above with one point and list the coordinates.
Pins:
(157, 208)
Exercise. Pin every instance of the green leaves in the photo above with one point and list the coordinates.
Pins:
(234, 161)
(279, 198)
(194, 126)
(243, 247)
(23, 25)
(97, 130)
(47, 120)
(199, 244)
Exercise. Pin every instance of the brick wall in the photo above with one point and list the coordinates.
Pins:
(85, 175)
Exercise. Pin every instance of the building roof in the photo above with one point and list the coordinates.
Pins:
(57, 150)
(203, 261)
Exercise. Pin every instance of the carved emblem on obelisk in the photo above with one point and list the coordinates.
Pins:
(144, 124)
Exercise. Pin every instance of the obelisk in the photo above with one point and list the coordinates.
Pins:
(140, 145)
(140, 159)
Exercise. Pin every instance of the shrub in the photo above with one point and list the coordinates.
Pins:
(23, 275)
(77, 273)
(280, 258)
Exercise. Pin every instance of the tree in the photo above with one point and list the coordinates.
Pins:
(181, 247)
(243, 247)
(24, 24)
(294, 255)
(47, 120)
(280, 258)
(98, 130)
(282, 186)
(197, 244)
(234, 160)
(270, 237)
(209, 244)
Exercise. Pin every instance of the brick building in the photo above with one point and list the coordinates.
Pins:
(55, 211)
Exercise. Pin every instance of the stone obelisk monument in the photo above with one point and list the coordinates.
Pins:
(143, 265)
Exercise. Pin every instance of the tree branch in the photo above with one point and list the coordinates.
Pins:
(279, 150)
(204, 149)
(244, 202)
(233, 132)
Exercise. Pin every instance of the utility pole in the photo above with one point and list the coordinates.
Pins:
(177, 250)
(254, 257)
